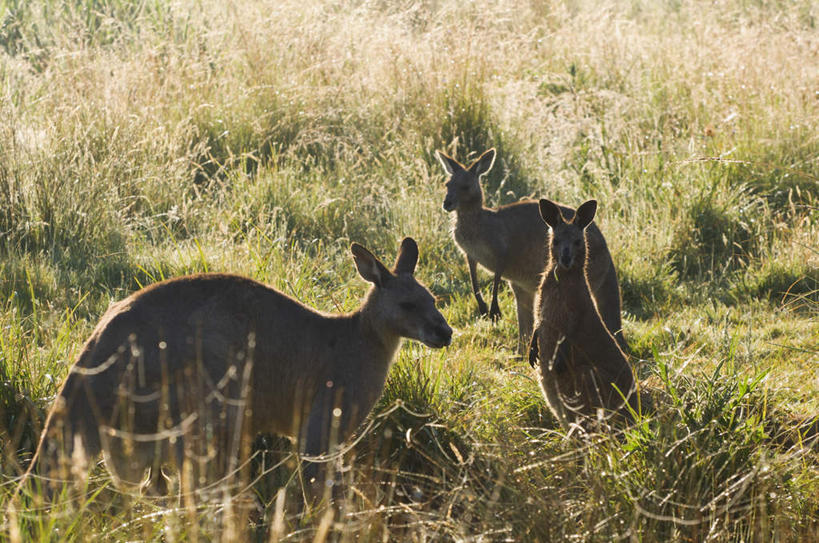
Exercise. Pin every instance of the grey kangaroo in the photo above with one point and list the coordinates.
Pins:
(511, 242)
(581, 368)
(187, 371)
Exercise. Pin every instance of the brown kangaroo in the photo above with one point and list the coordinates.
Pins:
(187, 371)
(511, 242)
(582, 370)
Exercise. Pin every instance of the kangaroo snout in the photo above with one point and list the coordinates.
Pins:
(449, 205)
(566, 258)
(445, 332)
(438, 336)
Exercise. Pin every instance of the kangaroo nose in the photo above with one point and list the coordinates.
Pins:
(448, 204)
(566, 258)
(446, 334)
(442, 333)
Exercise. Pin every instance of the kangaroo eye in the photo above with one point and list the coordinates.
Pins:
(407, 306)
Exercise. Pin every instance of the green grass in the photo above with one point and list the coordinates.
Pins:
(146, 140)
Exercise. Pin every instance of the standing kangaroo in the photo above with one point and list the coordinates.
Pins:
(582, 368)
(187, 371)
(510, 241)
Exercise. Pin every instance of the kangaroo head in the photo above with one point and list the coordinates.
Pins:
(398, 301)
(567, 244)
(464, 185)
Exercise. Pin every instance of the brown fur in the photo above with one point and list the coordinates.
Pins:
(187, 371)
(581, 367)
(511, 242)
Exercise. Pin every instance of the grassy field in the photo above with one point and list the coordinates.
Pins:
(145, 140)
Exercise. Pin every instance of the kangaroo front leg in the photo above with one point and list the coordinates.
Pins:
(543, 350)
(546, 346)
(534, 352)
(316, 437)
(494, 310)
(473, 276)
(524, 300)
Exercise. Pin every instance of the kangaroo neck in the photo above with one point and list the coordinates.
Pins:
(471, 206)
(470, 214)
(377, 338)
(560, 275)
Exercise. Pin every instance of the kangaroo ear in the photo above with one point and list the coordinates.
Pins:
(550, 213)
(484, 163)
(407, 257)
(369, 267)
(450, 164)
(585, 213)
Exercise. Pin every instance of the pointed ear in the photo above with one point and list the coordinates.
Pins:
(484, 163)
(585, 213)
(450, 164)
(407, 257)
(369, 267)
(550, 213)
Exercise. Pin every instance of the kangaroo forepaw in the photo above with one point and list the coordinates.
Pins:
(482, 308)
(495, 314)
(534, 351)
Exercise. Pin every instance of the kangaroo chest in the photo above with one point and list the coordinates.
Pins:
(565, 302)
(481, 242)
(479, 250)
(499, 243)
